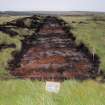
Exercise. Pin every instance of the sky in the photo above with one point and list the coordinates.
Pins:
(52, 5)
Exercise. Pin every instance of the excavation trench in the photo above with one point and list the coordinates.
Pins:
(54, 55)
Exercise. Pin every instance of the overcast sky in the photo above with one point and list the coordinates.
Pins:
(52, 5)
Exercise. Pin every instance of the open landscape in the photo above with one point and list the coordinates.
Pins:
(27, 43)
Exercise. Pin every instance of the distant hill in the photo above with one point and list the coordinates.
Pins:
(18, 13)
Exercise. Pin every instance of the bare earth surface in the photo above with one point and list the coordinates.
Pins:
(54, 56)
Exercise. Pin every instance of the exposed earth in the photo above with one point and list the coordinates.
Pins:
(51, 53)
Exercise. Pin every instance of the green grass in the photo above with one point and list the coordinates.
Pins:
(91, 32)
(6, 39)
(26, 92)
(6, 54)
(4, 19)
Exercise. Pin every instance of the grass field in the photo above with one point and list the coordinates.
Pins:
(72, 92)
(25, 92)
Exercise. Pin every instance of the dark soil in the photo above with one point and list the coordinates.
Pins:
(4, 46)
(52, 54)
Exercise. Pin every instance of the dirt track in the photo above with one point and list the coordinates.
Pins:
(55, 56)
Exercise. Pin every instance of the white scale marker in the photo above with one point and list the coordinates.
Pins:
(53, 87)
